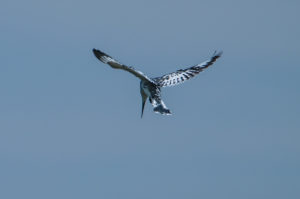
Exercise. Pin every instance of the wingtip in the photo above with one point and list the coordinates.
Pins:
(95, 51)
(217, 54)
(99, 54)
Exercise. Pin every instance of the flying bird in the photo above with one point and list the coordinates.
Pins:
(151, 87)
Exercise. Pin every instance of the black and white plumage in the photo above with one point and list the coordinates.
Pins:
(182, 75)
(151, 87)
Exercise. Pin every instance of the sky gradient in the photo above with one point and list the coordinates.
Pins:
(70, 126)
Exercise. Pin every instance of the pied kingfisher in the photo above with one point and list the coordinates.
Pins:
(150, 87)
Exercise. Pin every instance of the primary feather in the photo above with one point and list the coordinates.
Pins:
(182, 75)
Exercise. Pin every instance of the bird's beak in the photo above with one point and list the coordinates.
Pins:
(143, 105)
(144, 99)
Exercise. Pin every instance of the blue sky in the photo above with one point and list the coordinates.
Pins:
(71, 127)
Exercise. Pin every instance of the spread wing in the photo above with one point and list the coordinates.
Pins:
(182, 75)
(115, 64)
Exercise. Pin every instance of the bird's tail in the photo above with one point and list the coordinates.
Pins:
(160, 107)
(162, 110)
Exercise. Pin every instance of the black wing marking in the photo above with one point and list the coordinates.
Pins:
(182, 75)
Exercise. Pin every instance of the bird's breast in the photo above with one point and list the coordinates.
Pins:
(149, 88)
(147, 91)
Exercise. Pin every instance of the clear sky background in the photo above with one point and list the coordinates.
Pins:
(70, 126)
